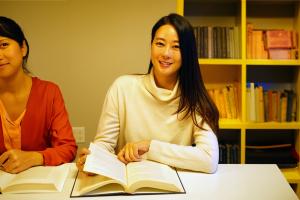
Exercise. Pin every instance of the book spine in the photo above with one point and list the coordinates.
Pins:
(252, 103)
(278, 39)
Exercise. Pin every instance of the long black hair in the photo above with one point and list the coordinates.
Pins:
(194, 98)
(10, 29)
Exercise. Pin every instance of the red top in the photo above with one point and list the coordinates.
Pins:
(45, 126)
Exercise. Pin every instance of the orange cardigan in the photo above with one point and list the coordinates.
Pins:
(45, 126)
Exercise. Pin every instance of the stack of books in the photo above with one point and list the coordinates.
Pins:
(271, 44)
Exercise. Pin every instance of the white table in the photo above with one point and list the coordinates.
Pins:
(231, 181)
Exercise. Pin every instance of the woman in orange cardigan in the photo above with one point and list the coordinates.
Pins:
(34, 125)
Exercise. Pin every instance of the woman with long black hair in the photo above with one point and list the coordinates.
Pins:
(165, 115)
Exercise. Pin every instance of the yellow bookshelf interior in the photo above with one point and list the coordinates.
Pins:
(280, 14)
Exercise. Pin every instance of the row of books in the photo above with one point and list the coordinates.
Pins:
(217, 42)
(271, 44)
(270, 105)
(226, 100)
(229, 153)
(283, 155)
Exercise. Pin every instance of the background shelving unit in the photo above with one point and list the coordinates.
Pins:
(271, 14)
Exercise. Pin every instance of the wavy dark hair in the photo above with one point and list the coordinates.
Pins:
(10, 29)
(194, 97)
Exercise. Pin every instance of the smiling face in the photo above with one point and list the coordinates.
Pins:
(11, 57)
(166, 56)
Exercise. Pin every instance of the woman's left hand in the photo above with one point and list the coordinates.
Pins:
(133, 151)
(15, 160)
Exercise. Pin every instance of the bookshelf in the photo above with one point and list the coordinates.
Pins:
(219, 72)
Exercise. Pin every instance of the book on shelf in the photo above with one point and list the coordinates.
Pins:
(227, 103)
(268, 146)
(258, 48)
(229, 153)
(222, 153)
(284, 156)
(249, 41)
(294, 107)
(270, 107)
(217, 42)
(220, 102)
(252, 110)
(112, 177)
(266, 105)
(226, 100)
(294, 39)
(283, 107)
(35, 180)
(260, 104)
(276, 105)
(232, 100)
(272, 44)
(210, 43)
(279, 54)
(236, 42)
(278, 39)
(272, 147)
(291, 103)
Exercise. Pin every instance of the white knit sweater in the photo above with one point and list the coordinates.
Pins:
(136, 109)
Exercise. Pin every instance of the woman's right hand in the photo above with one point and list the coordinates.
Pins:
(81, 159)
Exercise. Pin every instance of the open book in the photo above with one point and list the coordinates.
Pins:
(35, 180)
(114, 177)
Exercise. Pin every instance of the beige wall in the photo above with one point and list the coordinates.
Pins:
(83, 45)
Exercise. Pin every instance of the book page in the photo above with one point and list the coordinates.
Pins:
(104, 163)
(38, 179)
(151, 174)
(107, 190)
(86, 185)
(59, 175)
(5, 178)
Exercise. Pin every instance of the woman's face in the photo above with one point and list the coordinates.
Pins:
(165, 53)
(11, 57)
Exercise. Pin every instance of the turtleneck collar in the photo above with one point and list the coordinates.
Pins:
(160, 93)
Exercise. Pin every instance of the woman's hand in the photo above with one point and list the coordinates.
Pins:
(133, 151)
(81, 159)
(15, 160)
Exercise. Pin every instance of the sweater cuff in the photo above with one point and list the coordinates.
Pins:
(49, 158)
(44, 154)
(155, 147)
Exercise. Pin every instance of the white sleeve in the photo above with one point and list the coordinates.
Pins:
(109, 123)
(203, 157)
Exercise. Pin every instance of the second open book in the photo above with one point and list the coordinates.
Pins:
(114, 177)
